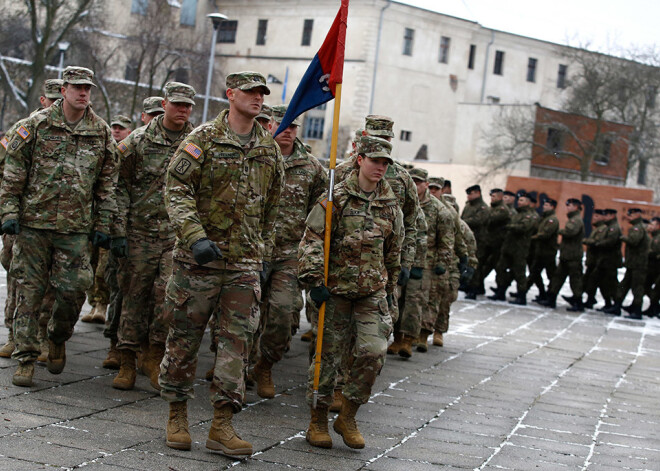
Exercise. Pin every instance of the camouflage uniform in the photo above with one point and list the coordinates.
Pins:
(220, 190)
(570, 257)
(545, 253)
(58, 183)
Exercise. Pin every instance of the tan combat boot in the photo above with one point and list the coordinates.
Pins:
(99, 313)
(125, 379)
(346, 426)
(113, 360)
(406, 346)
(43, 343)
(336, 400)
(222, 436)
(208, 376)
(89, 317)
(178, 436)
(395, 346)
(422, 341)
(56, 357)
(23, 375)
(437, 339)
(317, 432)
(156, 353)
(8, 348)
(307, 336)
(264, 376)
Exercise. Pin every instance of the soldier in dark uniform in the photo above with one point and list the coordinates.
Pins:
(610, 257)
(509, 198)
(476, 214)
(594, 256)
(545, 253)
(652, 288)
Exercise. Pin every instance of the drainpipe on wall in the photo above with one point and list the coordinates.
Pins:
(483, 82)
(373, 80)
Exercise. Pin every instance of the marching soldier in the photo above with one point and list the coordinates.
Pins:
(594, 256)
(151, 107)
(476, 214)
(545, 253)
(653, 274)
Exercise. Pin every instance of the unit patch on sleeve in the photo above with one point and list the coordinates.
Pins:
(193, 150)
(183, 166)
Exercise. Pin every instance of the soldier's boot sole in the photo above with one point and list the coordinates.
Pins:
(23, 375)
(56, 357)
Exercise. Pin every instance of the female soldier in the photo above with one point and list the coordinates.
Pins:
(365, 249)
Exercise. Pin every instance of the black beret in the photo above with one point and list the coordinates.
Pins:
(552, 202)
(601, 212)
(496, 190)
(634, 211)
(655, 218)
(610, 211)
(472, 188)
(509, 193)
(531, 198)
(574, 201)
(447, 184)
(522, 193)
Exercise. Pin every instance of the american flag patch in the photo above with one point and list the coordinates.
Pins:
(193, 150)
(122, 147)
(4, 142)
(24, 133)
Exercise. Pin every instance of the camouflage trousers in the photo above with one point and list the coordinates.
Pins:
(5, 260)
(448, 293)
(113, 271)
(369, 321)
(193, 294)
(437, 284)
(412, 303)
(43, 257)
(634, 280)
(143, 314)
(280, 309)
(99, 293)
(571, 269)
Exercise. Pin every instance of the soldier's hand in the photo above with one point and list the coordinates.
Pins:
(264, 274)
(99, 239)
(119, 247)
(319, 295)
(205, 251)
(439, 270)
(416, 273)
(11, 227)
(404, 276)
(467, 274)
(462, 263)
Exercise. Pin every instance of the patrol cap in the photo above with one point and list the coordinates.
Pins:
(177, 92)
(551, 202)
(437, 182)
(472, 188)
(632, 211)
(78, 76)
(374, 147)
(278, 112)
(247, 81)
(121, 120)
(508, 193)
(452, 200)
(495, 190)
(358, 133)
(574, 201)
(377, 125)
(53, 88)
(419, 174)
(265, 112)
(153, 104)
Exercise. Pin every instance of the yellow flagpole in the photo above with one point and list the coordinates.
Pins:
(326, 242)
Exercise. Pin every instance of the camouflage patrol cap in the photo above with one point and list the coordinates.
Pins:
(153, 104)
(377, 125)
(177, 92)
(78, 76)
(358, 133)
(374, 147)
(437, 181)
(452, 200)
(121, 120)
(419, 174)
(266, 112)
(247, 81)
(278, 112)
(53, 88)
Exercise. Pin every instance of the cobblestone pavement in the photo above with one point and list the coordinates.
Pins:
(521, 388)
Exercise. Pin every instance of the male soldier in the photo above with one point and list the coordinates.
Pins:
(570, 258)
(610, 259)
(533, 203)
(636, 262)
(151, 107)
(121, 127)
(509, 199)
(513, 257)
(53, 206)
(305, 181)
(593, 258)
(652, 288)
(144, 157)
(52, 92)
(222, 193)
(476, 213)
(264, 116)
(446, 187)
(545, 253)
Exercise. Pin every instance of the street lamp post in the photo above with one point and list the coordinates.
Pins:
(63, 45)
(216, 18)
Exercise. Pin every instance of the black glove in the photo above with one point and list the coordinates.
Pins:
(264, 274)
(319, 295)
(467, 274)
(205, 251)
(439, 270)
(11, 227)
(389, 300)
(462, 263)
(416, 273)
(119, 247)
(99, 239)
(404, 276)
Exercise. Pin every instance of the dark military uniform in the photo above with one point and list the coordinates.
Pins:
(476, 214)
(498, 218)
(610, 260)
(652, 288)
(545, 252)
(570, 259)
(593, 259)
(636, 262)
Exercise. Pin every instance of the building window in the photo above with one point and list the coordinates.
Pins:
(531, 69)
(444, 50)
(308, 26)
(227, 31)
(131, 71)
(561, 76)
(188, 12)
(313, 127)
(405, 135)
(499, 63)
(139, 6)
(473, 52)
(553, 141)
(408, 38)
(603, 151)
(261, 32)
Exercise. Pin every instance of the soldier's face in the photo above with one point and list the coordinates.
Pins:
(495, 197)
(474, 194)
(508, 199)
(176, 114)
(547, 206)
(654, 226)
(436, 191)
(523, 202)
(421, 187)
(286, 138)
(570, 207)
(373, 170)
(45, 102)
(246, 102)
(147, 117)
(76, 95)
(119, 132)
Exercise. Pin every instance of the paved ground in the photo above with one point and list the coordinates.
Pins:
(513, 388)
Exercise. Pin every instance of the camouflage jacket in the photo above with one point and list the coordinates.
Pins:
(460, 244)
(572, 234)
(546, 235)
(58, 178)
(365, 246)
(405, 190)
(440, 234)
(498, 217)
(519, 232)
(471, 244)
(598, 231)
(217, 189)
(476, 213)
(609, 246)
(637, 245)
(305, 180)
(144, 157)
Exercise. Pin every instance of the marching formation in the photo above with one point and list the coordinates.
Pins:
(170, 229)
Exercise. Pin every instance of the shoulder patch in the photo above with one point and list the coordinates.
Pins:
(122, 147)
(551, 220)
(24, 133)
(324, 203)
(183, 166)
(193, 150)
(4, 142)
